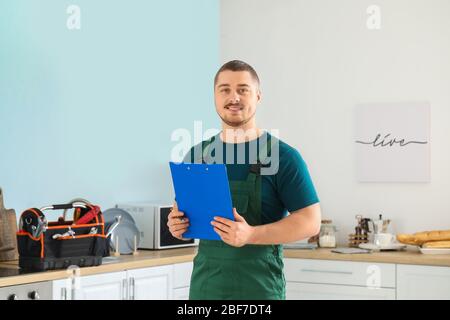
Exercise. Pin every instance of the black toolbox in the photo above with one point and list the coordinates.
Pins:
(44, 245)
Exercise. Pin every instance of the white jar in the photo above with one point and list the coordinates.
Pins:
(327, 235)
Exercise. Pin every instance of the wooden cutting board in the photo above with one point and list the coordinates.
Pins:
(8, 229)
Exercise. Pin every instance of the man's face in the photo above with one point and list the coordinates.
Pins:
(236, 95)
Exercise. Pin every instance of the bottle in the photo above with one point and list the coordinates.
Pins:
(327, 235)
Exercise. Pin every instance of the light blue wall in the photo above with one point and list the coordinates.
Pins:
(89, 113)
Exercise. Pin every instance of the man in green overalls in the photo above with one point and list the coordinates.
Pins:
(265, 185)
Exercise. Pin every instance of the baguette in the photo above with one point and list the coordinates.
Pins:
(436, 244)
(420, 238)
(407, 239)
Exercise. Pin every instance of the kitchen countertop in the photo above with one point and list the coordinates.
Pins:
(171, 256)
(397, 257)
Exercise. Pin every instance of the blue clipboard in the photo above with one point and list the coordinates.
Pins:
(202, 192)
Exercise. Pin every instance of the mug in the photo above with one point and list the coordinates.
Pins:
(384, 239)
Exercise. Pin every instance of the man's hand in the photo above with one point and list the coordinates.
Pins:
(177, 223)
(235, 233)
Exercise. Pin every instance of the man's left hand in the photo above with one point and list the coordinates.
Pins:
(235, 233)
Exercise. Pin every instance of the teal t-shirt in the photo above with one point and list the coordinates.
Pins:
(288, 189)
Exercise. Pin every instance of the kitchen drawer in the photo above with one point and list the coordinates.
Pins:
(340, 272)
(314, 291)
(182, 274)
(181, 293)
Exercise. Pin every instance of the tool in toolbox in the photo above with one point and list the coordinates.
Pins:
(114, 225)
(89, 215)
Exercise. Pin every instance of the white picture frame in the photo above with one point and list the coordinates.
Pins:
(392, 142)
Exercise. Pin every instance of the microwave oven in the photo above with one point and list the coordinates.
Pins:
(151, 220)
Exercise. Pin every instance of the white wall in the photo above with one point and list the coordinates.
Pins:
(317, 60)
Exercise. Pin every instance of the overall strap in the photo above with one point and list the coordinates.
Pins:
(205, 149)
(263, 157)
(202, 155)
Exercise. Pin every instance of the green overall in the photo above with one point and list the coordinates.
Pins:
(250, 272)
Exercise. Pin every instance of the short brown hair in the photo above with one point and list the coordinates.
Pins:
(237, 65)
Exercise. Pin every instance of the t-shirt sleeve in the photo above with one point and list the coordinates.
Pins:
(295, 186)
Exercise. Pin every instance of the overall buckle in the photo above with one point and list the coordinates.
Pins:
(256, 167)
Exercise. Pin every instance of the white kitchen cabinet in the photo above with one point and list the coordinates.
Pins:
(423, 282)
(329, 279)
(316, 291)
(106, 286)
(181, 293)
(155, 283)
(61, 290)
(305, 279)
(182, 278)
(182, 274)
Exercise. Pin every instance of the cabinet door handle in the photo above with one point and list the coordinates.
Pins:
(327, 271)
(124, 289)
(132, 288)
(63, 294)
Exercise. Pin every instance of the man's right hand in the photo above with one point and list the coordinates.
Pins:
(177, 223)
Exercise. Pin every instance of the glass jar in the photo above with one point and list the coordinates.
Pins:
(327, 235)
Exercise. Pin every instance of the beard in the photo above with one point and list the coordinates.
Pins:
(236, 123)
